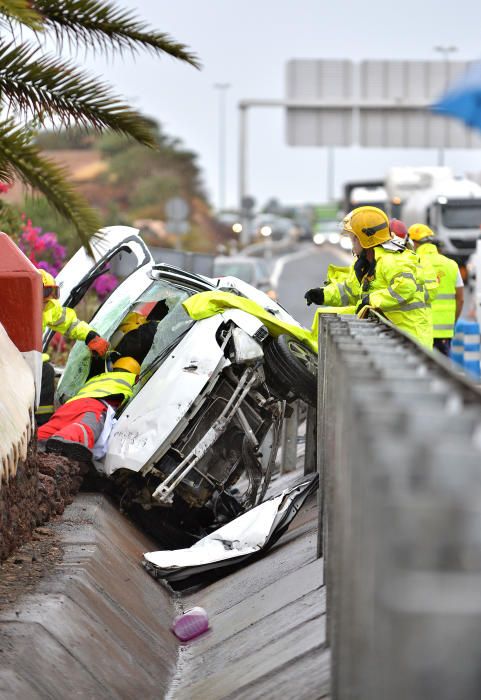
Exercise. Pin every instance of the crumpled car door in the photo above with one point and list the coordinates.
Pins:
(77, 276)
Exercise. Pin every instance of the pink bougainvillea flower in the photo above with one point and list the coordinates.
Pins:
(104, 285)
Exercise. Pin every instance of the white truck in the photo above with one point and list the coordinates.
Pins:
(450, 206)
(361, 193)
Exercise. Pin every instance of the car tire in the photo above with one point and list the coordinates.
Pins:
(291, 369)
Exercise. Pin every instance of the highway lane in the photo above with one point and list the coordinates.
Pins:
(299, 271)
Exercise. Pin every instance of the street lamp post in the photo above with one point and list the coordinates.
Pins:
(445, 52)
(222, 89)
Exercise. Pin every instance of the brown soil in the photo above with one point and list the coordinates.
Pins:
(22, 570)
(42, 487)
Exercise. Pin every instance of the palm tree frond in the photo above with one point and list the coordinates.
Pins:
(19, 158)
(21, 11)
(52, 89)
(99, 24)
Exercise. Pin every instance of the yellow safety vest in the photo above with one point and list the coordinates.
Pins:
(107, 384)
(444, 305)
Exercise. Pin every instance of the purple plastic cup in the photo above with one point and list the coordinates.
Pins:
(191, 624)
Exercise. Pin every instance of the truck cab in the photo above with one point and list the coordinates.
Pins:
(452, 208)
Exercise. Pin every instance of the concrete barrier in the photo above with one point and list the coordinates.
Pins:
(97, 626)
(399, 455)
(17, 402)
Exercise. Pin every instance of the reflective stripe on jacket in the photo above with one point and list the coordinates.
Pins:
(64, 320)
(107, 384)
(431, 279)
(444, 305)
(342, 287)
(397, 289)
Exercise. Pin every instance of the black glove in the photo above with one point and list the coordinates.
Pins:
(314, 296)
(364, 302)
(361, 266)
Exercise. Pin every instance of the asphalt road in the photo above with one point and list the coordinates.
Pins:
(302, 270)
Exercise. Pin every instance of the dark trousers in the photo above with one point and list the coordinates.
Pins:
(47, 391)
(443, 345)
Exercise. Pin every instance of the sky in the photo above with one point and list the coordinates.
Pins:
(247, 45)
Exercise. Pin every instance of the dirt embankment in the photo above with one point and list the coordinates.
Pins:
(42, 487)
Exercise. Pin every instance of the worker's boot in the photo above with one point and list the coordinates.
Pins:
(66, 448)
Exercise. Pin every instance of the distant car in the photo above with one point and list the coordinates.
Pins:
(329, 232)
(277, 228)
(251, 270)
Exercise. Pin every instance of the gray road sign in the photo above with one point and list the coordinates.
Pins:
(311, 81)
(374, 103)
(177, 209)
(407, 82)
(177, 226)
(406, 88)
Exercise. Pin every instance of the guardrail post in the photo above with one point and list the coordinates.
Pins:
(310, 456)
(289, 440)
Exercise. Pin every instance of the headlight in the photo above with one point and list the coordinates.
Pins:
(334, 238)
(319, 238)
(346, 243)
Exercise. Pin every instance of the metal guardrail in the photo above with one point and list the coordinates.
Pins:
(399, 458)
(299, 426)
(270, 248)
(199, 263)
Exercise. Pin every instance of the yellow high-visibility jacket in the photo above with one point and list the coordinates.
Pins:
(444, 304)
(397, 289)
(107, 384)
(64, 320)
(206, 304)
(342, 288)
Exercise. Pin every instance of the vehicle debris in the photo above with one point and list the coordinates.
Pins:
(252, 532)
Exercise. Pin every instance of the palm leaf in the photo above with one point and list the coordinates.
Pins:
(49, 88)
(98, 23)
(21, 159)
(21, 11)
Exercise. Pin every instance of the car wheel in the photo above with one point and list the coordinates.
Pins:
(291, 369)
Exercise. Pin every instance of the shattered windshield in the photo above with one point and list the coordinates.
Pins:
(170, 328)
(160, 302)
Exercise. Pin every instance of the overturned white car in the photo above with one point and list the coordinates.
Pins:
(208, 407)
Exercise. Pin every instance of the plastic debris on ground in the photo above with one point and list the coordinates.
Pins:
(191, 624)
(252, 532)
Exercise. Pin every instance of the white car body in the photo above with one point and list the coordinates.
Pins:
(175, 380)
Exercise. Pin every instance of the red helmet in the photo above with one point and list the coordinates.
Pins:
(398, 228)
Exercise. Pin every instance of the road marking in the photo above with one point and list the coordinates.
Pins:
(304, 253)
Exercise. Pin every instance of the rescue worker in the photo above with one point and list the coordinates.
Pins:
(135, 336)
(390, 277)
(448, 304)
(74, 428)
(431, 281)
(399, 229)
(62, 320)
